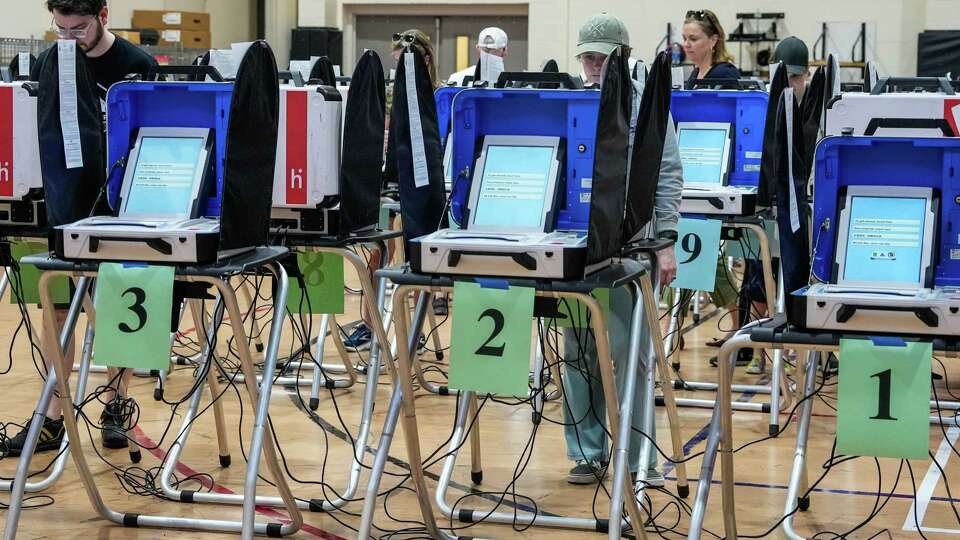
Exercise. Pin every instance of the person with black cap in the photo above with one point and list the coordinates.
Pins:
(584, 412)
(793, 52)
(111, 58)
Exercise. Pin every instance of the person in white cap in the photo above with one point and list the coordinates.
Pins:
(492, 49)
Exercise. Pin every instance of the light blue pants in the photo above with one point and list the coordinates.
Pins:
(585, 410)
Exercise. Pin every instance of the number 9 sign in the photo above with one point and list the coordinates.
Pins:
(697, 251)
(133, 305)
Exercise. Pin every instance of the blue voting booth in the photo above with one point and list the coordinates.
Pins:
(137, 104)
(568, 114)
(843, 162)
(744, 110)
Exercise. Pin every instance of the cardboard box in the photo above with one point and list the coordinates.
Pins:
(173, 20)
(190, 39)
(129, 35)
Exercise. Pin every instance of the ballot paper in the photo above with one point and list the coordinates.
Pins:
(69, 122)
(421, 175)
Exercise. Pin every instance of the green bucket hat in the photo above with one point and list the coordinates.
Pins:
(602, 33)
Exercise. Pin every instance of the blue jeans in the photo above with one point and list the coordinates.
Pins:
(585, 408)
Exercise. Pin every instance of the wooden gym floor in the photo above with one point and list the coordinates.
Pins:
(841, 501)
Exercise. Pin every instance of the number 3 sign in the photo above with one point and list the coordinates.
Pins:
(133, 305)
(884, 399)
(490, 340)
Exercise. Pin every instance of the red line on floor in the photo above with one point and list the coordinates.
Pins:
(161, 454)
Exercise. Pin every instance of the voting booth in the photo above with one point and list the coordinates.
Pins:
(895, 108)
(327, 180)
(720, 136)
(171, 146)
(884, 231)
(526, 154)
(306, 181)
(21, 183)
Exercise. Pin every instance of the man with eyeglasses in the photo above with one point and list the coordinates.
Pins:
(111, 59)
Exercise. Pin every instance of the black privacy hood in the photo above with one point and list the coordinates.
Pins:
(422, 208)
(610, 161)
(251, 151)
(362, 161)
(648, 148)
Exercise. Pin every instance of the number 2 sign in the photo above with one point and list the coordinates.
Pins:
(491, 339)
(884, 399)
(133, 306)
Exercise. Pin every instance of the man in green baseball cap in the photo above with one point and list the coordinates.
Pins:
(584, 431)
(793, 52)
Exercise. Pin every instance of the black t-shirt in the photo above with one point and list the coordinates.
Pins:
(121, 59)
(723, 70)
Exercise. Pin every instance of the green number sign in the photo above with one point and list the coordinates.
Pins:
(28, 286)
(133, 306)
(884, 399)
(323, 280)
(491, 339)
(697, 249)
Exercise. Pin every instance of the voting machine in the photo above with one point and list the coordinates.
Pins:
(894, 108)
(191, 167)
(705, 155)
(886, 247)
(306, 182)
(521, 201)
(509, 217)
(169, 173)
(21, 184)
(720, 137)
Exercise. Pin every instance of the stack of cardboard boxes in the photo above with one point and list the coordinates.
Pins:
(176, 28)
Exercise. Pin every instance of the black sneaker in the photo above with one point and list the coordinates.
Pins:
(587, 472)
(115, 422)
(440, 306)
(51, 436)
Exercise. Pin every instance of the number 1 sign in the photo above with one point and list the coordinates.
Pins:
(133, 306)
(490, 339)
(884, 399)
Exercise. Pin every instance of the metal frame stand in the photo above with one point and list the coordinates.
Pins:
(19, 485)
(778, 387)
(624, 494)
(261, 445)
(360, 443)
(720, 438)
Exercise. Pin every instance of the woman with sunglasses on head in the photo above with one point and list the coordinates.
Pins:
(359, 338)
(705, 44)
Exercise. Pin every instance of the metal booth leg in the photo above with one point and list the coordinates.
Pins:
(659, 356)
(20, 484)
(798, 473)
(393, 412)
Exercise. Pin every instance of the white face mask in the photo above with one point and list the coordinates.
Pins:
(491, 66)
